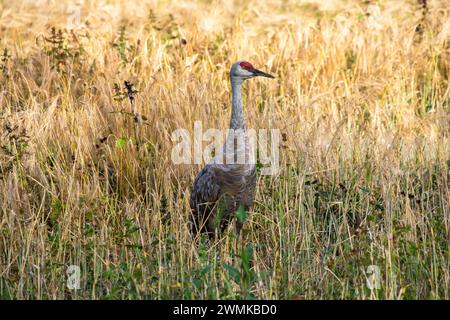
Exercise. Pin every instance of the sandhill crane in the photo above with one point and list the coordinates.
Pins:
(222, 186)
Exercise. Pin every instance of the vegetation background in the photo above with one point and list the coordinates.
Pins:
(86, 178)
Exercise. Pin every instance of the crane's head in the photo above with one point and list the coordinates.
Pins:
(243, 70)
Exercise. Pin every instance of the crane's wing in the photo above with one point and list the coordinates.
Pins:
(204, 196)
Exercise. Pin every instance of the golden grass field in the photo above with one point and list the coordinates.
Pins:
(86, 178)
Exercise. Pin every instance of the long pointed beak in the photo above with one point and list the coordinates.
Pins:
(257, 72)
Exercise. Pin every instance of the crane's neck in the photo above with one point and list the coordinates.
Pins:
(237, 113)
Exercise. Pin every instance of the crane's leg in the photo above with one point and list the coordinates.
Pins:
(238, 243)
(238, 229)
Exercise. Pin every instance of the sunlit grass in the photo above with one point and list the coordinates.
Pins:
(362, 101)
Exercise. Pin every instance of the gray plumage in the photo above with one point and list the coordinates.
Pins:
(226, 183)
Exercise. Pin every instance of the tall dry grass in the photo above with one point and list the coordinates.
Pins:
(361, 98)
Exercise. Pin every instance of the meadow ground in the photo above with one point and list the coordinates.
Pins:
(86, 177)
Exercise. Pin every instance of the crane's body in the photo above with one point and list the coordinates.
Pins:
(225, 184)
